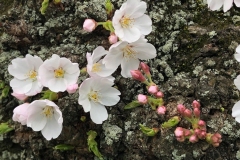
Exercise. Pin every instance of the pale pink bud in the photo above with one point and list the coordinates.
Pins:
(137, 75)
(193, 138)
(142, 99)
(89, 25)
(159, 94)
(112, 38)
(20, 113)
(201, 123)
(153, 89)
(196, 112)
(161, 110)
(145, 68)
(181, 108)
(196, 104)
(179, 132)
(72, 88)
(187, 113)
(21, 97)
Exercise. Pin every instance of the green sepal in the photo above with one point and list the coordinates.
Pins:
(148, 131)
(4, 128)
(171, 122)
(109, 7)
(52, 96)
(64, 147)
(132, 105)
(44, 6)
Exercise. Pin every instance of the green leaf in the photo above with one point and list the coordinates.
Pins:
(132, 105)
(64, 147)
(148, 131)
(92, 144)
(171, 122)
(4, 128)
(44, 7)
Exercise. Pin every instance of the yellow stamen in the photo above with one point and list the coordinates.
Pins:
(59, 73)
(96, 67)
(93, 95)
(48, 111)
(128, 52)
(126, 22)
(32, 75)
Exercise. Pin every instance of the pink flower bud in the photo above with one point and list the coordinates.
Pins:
(112, 38)
(137, 75)
(142, 99)
(145, 68)
(159, 94)
(187, 113)
(181, 108)
(89, 25)
(187, 132)
(21, 97)
(196, 104)
(72, 88)
(201, 124)
(161, 110)
(181, 139)
(179, 132)
(196, 112)
(153, 89)
(193, 138)
(20, 113)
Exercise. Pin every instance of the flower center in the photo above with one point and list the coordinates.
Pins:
(48, 111)
(128, 52)
(59, 73)
(93, 95)
(96, 67)
(126, 22)
(32, 75)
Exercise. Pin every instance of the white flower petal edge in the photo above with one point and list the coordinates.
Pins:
(237, 54)
(45, 116)
(236, 111)
(217, 4)
(94, 94)
(20, 113)
(126, 21)
(237, 82)
(25, 72)
(58, 73)
(128, 55)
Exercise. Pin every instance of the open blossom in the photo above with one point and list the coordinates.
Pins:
(45, 116)
(94, 94)
(217, 4)
(20, 113)
(58, 73)
(128, 55)
(95, 66)
(130, 22)
(25, 72)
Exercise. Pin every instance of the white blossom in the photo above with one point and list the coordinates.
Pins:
(217, 4)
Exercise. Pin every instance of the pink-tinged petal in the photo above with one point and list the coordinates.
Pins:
(21, 97)
(21, 113)
(127, 65)
(237, 3)
(144, 24)
(52, 129)
(237, 82)
(98, 53)
(145, 51)
(131, 34)
(35, 89)
(138, 9)
(21, 87)
(57, 85)
(36, 121)
(98, 113)
(236, 109)
(227, 5)
(215, 5)
(109, 100)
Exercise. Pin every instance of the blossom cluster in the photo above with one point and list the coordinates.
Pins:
(198, 130)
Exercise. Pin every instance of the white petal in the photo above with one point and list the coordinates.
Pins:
(238, 47)
(98, 53)
(127, 65)
(72, 68)
(57, 85)
(144, 24)
(216, 4)
(227, 5)
(237, 3)
(237, 82)
(35, 89)
(109, 100)
(113, 59)
(19, 68)
(236, 109)
(85, 103)
(104, 72)
(52, 129)
(237, 57)
(45, 74)
(35, 61)
(36, 121)
(98, 113)
(131, 34)
(138, 9)
(145, 51)
(21, 86)
(71, 78)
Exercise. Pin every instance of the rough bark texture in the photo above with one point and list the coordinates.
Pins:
(194, 60)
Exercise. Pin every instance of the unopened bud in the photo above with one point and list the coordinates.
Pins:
(179, 131)
(193, 138)
(196, 112)
(159, 94)
(72, 88)
(196, 104)
(142, 99)
(202, 124)
(187, 113)
(181, 108)
(145, 68)
(153, 89)
(112, 38)
(161, 110)
(137, 75)
(89, 25)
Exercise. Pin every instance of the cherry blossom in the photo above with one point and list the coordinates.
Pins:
(128, 55)
(25, 72)
(130, 22)
(217, 4)
(58, 73)
(94, 94)
(20, 113)
(45, 116)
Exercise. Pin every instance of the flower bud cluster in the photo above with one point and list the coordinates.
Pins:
(198, 130)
